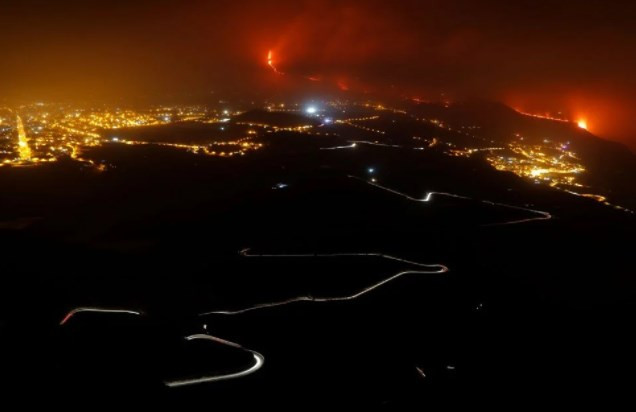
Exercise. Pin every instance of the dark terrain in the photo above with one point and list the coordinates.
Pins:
(531, 312)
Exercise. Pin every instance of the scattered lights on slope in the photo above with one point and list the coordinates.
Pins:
(47, 133)
(549, 163)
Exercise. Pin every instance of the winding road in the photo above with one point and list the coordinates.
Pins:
(429, 196)
(427, 269)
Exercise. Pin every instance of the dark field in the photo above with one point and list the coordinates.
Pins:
(527, 311)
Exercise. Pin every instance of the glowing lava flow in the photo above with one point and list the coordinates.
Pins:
(270, 62)
(312, 78)
(272, 65)
(23, 142)
(582, 124)
(544, 117)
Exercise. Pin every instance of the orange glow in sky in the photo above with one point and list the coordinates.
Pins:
(582, 124)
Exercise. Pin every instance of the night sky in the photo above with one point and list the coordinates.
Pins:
(537, 56)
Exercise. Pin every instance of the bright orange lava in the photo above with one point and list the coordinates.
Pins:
(582, 124)
(270, 62)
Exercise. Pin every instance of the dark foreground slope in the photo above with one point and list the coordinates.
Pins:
(537, 301)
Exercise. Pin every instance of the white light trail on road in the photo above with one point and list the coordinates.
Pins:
(429, 196)
(351, 146)
(434, 269)
(75, 311)
(421, 372)
(600, 199)
(378, 144)
(259, 360)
